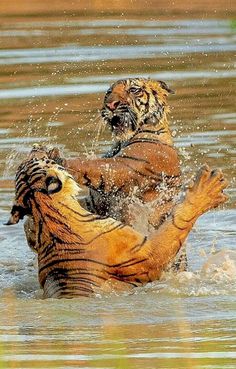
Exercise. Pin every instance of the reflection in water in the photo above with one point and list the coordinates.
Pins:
(53, 73)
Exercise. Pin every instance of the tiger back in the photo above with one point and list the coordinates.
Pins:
(78, 252)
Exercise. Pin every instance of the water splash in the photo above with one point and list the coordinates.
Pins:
(216, 277)
(11, 159)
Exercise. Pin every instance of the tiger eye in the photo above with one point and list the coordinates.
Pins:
(135, 90)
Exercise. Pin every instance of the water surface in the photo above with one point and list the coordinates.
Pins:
(54, 70)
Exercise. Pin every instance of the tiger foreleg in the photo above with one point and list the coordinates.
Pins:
(204, 194)
(180, 262)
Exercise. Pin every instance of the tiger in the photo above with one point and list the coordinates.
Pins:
(141, 171)
(79, 252)
(143, 160)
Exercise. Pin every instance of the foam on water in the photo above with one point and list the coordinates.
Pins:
(216, 277)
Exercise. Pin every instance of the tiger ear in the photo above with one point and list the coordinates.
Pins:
(166, 88)
(53, 184)
(17, 213)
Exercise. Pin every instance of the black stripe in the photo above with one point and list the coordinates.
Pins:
(85, 271)
(127, 282)
(134, 263)
(158, 132)
(125, 264)
(134, 158)
(58, 222)
(26, 185)
(180, 228)
(139, 246)
(58, 261)
(40, 226)
(147, 103)
(85, 280)
(102, 184)
(93, 216)
(36, 178)
(65, 228)
(29, 165)
(87, 179)
(51, 252)
(89, 184)
(25, 189)
(45, 249)
(123, 275)
(21, 169)
(138, 172)
(159, 175)
(73, 287)
(113, 151)
(119, 226)
(187, 221)
(146, 140)
(73, 295)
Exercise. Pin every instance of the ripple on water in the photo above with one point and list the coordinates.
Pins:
(88, 85)
(88, 53)
(184, 321)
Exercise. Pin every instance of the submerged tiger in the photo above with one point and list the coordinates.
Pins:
(79, 252)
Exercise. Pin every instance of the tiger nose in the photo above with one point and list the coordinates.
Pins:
(113, 105)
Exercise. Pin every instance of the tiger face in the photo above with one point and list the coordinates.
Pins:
(133, 102)
(39, 176)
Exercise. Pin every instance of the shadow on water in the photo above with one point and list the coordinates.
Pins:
(56, 61)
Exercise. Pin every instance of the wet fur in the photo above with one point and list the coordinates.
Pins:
(79, 252)
(141, 161)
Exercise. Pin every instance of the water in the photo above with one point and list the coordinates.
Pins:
(54, 69)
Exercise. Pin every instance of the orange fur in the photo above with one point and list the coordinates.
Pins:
(143, 158)
(79, 252)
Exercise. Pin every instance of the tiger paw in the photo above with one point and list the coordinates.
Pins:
(55, 155)
(38, 151)
(207, 191)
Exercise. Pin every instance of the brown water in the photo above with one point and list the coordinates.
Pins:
(54, 70)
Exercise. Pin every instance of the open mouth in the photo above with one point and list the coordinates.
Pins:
(117, 124)
(121, 123)
(115, 121)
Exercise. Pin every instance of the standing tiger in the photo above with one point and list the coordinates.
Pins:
(143, 165)
(79, 252)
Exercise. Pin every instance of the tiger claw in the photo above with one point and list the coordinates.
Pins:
(38, 151)
(55, 155)
(203, 173)
(207, 191)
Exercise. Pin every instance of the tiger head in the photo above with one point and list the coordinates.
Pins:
(39, 176)
(131, 103)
